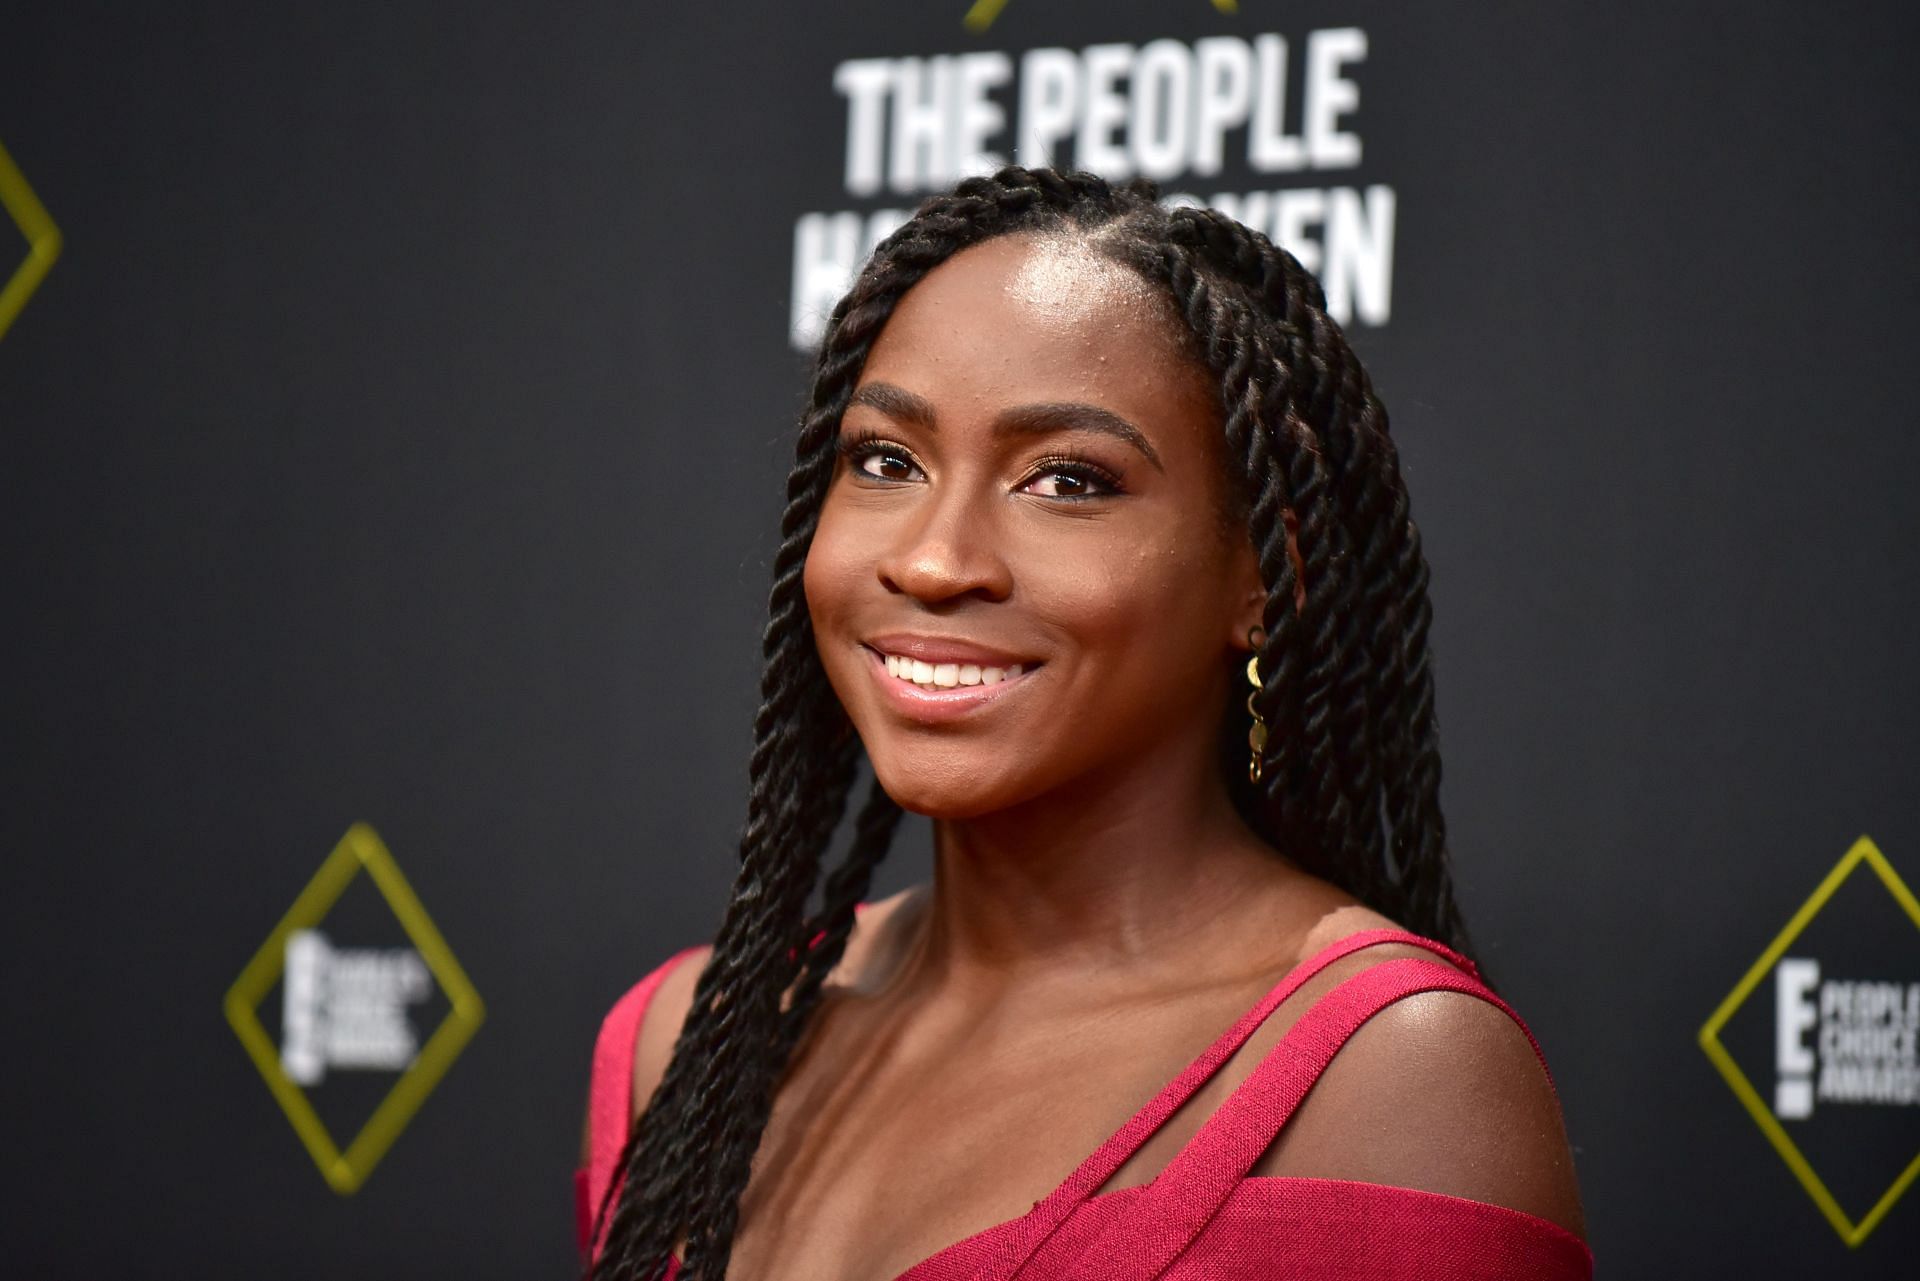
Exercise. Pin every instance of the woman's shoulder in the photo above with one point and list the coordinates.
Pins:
(661, 1018)
(616, 1053)
(1442, 1091)
(667, 992)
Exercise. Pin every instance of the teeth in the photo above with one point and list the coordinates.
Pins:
(947, 675)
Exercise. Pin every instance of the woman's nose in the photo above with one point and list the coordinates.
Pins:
(948, 549)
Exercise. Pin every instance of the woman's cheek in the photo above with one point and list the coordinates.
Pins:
(1115, 595)
(828, 580)
(828, 574)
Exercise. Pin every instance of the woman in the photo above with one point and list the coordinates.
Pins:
(1096, 549)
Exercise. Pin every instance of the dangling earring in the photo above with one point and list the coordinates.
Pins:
(1257, 733)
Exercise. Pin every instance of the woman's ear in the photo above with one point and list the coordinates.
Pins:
(1251, 589)
(1249, 594)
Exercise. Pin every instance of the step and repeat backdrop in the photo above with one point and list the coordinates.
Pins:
(396, 404)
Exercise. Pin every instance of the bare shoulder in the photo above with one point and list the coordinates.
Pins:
(667, 1010)
(660, 1026)
(1440, 1091)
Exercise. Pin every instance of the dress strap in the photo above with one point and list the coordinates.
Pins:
(1032, 1232)
(1184, 1198)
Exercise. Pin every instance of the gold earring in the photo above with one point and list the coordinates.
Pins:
(1257, 732)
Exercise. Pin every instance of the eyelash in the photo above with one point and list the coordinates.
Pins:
(1081, 468)
(858, 447)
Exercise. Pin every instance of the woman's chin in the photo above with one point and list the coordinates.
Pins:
(944, 794)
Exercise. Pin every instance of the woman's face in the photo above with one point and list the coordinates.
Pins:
(1021, 579)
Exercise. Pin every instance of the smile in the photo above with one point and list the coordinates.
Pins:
(933, 681)
(947, 675)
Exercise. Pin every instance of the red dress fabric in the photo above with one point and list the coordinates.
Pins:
(1204, 1217)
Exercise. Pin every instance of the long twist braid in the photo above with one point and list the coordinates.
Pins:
(1285, 472)
(1387, 744)
(846, 888)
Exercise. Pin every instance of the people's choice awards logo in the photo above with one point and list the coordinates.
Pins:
(1818, 1040)
(369, 1006)
(43, 240)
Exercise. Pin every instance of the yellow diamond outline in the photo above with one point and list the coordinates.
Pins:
(1863, 851)
(982, 13)
(43, 240)
(361, 848)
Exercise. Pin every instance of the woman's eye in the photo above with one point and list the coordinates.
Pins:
(886, 464)
(1068, 482)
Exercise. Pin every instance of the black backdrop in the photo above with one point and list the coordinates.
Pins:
(399, 439)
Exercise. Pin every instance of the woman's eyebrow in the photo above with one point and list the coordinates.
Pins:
(902, 405)
(1024, 420)
(896, 403)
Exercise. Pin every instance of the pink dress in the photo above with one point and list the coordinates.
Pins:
(1203, 1217)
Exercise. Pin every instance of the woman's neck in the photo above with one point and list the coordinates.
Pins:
(1122, 874)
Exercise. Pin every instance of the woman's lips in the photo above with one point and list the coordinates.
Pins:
(936, 700)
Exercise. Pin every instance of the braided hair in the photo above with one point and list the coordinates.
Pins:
(1350, 781)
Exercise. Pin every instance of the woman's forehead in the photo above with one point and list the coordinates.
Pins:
(1041, 317)
(1063, 281)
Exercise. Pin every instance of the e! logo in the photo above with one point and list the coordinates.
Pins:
(1842, 1043)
